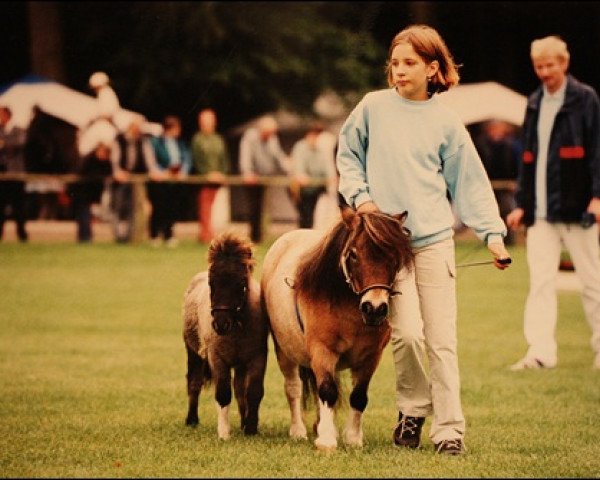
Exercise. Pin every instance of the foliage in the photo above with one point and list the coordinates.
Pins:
(243, 58)
(92, 367)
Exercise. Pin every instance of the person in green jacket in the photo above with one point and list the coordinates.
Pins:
(210, 157)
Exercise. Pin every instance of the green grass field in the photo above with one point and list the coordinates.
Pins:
(92, 368)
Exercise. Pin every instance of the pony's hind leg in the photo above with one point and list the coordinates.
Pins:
(293, 393)
(194, 376)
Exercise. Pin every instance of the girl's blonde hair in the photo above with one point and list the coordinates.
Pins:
(430, 46)
(552, 45)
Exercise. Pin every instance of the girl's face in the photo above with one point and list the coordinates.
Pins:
(410, 72)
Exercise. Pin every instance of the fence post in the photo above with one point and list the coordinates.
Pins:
(140, 221)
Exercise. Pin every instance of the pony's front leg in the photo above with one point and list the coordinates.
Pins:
(361, 377)
(353, 433)
(323, 363)
(223, 400)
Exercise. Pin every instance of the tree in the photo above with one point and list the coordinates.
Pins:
(242, 58)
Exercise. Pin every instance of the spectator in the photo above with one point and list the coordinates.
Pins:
(400, 150)
(171, 160)
(12, 192)
(500, 153)
(558, 198)
(260, 155)
(108, 102)
(86, 192)
(131, 152)
(310, 162)
(211, 158)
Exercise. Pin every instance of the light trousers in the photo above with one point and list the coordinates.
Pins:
(544, 245)
(424, 341)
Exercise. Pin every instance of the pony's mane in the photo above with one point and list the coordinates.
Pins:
(319, 273)
(231, 248)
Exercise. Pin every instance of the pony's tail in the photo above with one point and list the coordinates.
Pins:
(309, 386)
(310, 392)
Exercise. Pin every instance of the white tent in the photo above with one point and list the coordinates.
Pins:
(71, 106)
(478, 102)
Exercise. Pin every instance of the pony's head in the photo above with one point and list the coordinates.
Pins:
(377, 247)
(229, 272)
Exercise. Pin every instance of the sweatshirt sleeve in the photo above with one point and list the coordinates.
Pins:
(471, 190)
(351, 157)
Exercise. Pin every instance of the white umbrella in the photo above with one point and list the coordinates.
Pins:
(71, 106)
(479, 102)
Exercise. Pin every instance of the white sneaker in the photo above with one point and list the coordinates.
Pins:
(527, 363)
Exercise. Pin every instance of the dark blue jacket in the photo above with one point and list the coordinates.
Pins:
(573, 175)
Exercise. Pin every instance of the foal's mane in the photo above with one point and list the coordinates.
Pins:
(228, 249)
(319, 273)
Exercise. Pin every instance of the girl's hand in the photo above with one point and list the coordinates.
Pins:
(501, 256)
(367, 207)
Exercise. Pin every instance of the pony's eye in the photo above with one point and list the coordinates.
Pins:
(352, 255)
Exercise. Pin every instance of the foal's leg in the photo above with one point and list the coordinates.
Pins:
(239, 387)
(195, 365)
(254, 393)
(222, 376)
(323, 363)
(293, 393)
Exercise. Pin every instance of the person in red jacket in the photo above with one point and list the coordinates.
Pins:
(558, 198)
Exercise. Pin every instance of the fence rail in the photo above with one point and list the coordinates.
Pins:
(139, 188)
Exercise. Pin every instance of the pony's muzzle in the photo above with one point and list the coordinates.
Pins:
(374, 313)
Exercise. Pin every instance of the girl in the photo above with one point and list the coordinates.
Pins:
(402, 150)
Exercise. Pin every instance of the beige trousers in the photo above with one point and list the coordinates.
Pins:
(424, 343)
(544, 244)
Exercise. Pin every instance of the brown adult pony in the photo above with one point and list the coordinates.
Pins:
(327, 300)
(224, 329)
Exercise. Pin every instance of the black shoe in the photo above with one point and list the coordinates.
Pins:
(408, 431)
(450, 447)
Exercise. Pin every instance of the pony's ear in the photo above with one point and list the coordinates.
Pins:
(348, 214)
(346, 210)
(402, 216)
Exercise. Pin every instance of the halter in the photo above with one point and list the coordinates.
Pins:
(350, 281)
(235, 311)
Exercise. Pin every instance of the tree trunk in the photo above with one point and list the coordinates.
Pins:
(45, 38)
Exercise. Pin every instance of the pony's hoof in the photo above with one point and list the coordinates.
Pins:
(353, 440)
(325, 446)
(298, 432)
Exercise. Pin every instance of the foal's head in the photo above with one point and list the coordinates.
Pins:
(377, 247)
(229, 272)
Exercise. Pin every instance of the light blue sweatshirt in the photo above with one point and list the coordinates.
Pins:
(405, 155)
